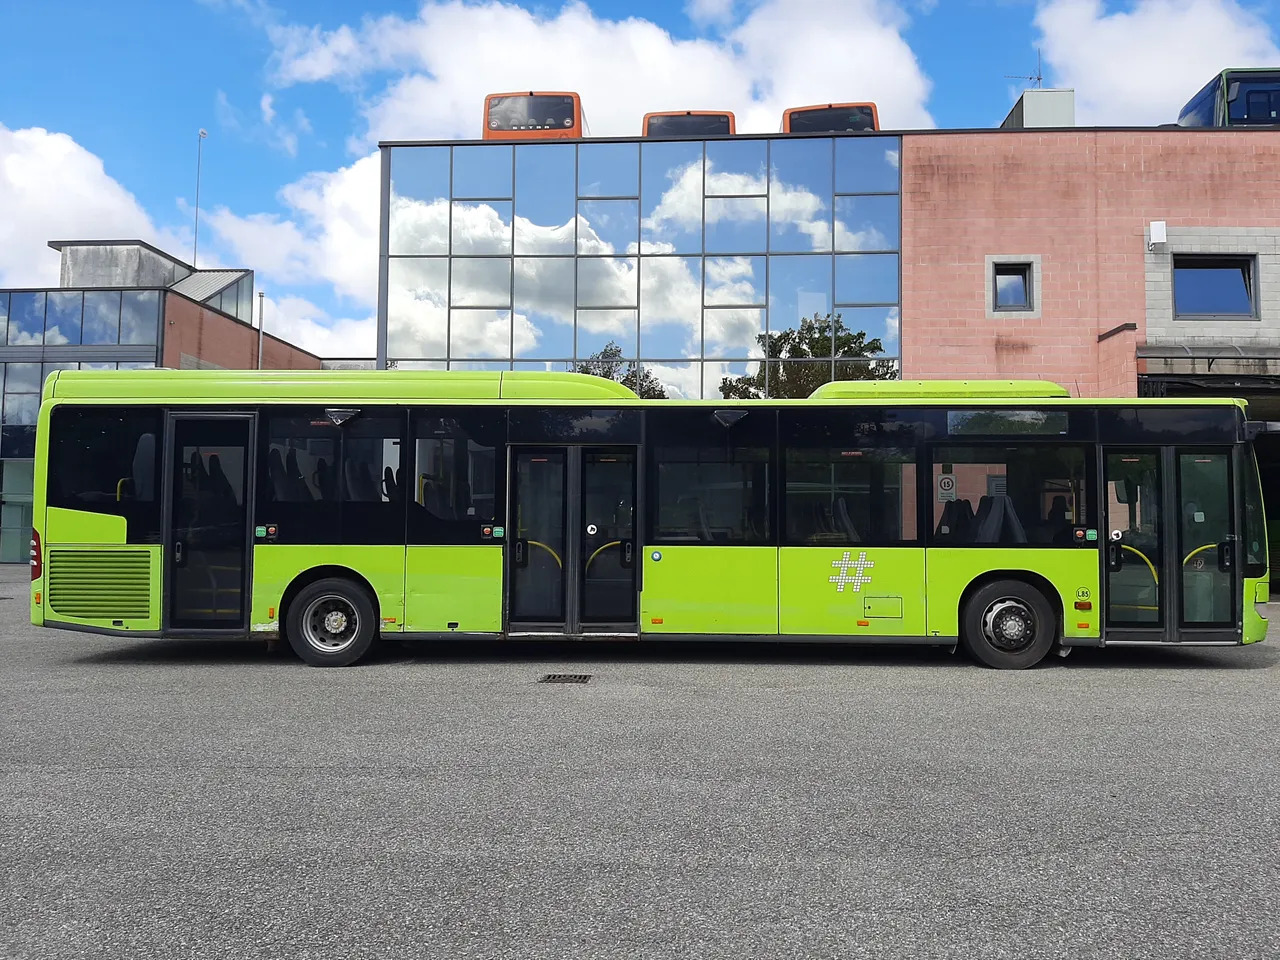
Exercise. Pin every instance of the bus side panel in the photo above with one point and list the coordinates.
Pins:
(1256, 592)
(275, 565)
(852, 591)
(1073, 572)
(459, 585)
(709, 589)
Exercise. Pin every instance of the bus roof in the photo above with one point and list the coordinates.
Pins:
(530, 386)
(938, 389)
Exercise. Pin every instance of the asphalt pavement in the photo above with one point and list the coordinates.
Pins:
(193, 799)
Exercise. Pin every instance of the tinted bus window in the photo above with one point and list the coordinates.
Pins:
(832, 119)
(457, 475)
(1009, 495)
(531, 113)
(687, 125)
(841, 495)
(107, 461)
(1253, 99)
(1199, 111)
(969, 423)
(1255, 529)
(710, 475)
(326, 482)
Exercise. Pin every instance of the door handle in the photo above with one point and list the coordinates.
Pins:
(1115, 559)
(628, 553)
(177, 553)
(521, 557)
(1226, 556)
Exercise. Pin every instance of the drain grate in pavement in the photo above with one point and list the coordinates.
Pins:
(565, 678)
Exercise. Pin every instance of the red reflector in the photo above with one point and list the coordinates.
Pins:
(1084, 604)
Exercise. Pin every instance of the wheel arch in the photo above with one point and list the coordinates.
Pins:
(313, 574)
(1030, 578)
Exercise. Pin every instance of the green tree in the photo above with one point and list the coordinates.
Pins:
(608, 363)
(811, 341)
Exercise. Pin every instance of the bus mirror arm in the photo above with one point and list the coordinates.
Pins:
(1255, 428)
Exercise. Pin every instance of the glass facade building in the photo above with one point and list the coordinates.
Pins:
(59, 329)
(696, 259)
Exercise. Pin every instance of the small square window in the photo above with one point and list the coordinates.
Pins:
(1213, 287)
(1011, 288)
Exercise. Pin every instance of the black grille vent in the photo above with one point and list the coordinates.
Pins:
(565, 678)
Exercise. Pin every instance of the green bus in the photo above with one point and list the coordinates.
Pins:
(337, 508)
(1242, 97)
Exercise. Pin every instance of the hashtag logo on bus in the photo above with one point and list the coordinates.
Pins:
(860, 567)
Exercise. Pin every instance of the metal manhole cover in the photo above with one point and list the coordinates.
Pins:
(565, 678)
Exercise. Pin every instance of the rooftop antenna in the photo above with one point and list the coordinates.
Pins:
(195, 243)
(1037, 78)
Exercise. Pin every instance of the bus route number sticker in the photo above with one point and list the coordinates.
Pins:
(946, 486)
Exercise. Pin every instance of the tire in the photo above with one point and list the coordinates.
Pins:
(1008, 625)
(331, 623)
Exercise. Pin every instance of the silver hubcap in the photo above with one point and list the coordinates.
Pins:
(1009, 625)
(330, 623)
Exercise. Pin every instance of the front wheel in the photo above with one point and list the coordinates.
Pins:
(1008, 625)
(331, 623)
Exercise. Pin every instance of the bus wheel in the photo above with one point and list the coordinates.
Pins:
(331, 623)
(1009, 625)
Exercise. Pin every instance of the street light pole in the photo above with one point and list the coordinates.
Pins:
(260, 328)
(195, 245)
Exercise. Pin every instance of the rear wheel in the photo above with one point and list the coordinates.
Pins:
(331, 623)
(1008, 625)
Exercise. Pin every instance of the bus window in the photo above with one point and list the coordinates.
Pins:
(456, 474)
(532, 116)
(831, 118)
(688, 123)
(1199, 111)
(710, 476)
(1253, 100)
(105, 461)
(1030, 494)
(841, 495)
(332, 479)
(1255, 528)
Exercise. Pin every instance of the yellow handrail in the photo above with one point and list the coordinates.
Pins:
(555, 556)
(1201, 549)
(611, 543)
(1150, 566)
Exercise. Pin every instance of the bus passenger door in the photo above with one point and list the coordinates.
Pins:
(206, 496)
(1172, 570)
(571, 550)
(1209, 577)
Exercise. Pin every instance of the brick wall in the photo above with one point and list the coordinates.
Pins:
(1081, 202)
(195, 336)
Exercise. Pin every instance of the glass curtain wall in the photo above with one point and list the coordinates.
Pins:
(745, 266)
(46, 330)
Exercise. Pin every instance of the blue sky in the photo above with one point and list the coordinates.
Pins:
(99, 139)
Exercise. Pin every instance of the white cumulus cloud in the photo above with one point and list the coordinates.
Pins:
(853, 50)
(51, 188)
(1140, 64)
